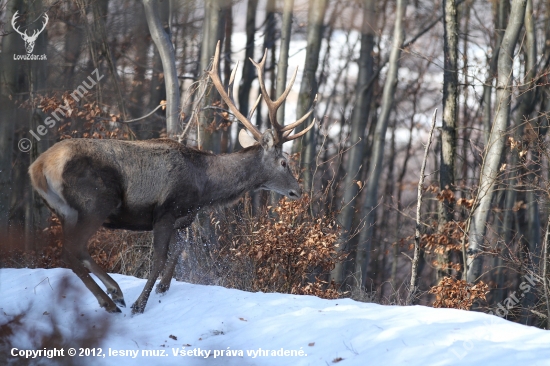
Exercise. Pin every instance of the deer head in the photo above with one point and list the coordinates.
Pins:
(29, 40)
(279, 177)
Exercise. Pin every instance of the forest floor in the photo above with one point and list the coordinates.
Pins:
(210, 325)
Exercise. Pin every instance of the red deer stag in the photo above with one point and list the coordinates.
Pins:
(157, 185)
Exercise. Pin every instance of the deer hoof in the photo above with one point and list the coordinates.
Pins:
(112, 309)
(162, 288)
(120, 302)
(137, 308)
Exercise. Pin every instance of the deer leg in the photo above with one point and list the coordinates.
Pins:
(76, 255)
(113, 289)
(162, 233)
(175, 251)
(176, 248)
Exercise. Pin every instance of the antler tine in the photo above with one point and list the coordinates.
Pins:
(254, 106)
(213, 73)
(271, 105)
(301, 133)
(293, 125)
(231, 80)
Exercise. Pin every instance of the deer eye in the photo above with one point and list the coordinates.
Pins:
(283, 163)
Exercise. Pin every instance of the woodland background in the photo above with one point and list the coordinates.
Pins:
(380, 68)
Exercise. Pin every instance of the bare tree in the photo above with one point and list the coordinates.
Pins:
(495, 145)
(282, 67)
(359, 120)
(448, 128)
(248, 68)
(377, 155)
(168, 57)
(501, 8)
(308, 87)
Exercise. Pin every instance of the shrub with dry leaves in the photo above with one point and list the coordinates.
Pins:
(290, 250)
(458, 294)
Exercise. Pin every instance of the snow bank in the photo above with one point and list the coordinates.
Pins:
(210, 325)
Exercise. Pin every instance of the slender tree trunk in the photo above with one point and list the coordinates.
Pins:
(212, 32)
(377, 156)
(73, 47)
(308, 87)
(413, 288)
(501, 16)
(359, 120)
(36, 213)
(228, 33)
(144, 130)
(527, 102)
(282, 68)
(99, 9)
(494, 148)
(11, 44)
(167, 55)
(449, 124)
(248, 68)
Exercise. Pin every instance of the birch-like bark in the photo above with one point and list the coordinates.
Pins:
(167, 55)
(501, 15)
(448, 129)
(359, 120)
(495, 145)
(377, 157)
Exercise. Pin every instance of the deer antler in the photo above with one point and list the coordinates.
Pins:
(228, 96)
(283, 132)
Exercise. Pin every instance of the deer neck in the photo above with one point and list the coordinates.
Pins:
(229, 176)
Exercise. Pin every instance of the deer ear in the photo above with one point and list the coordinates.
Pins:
(268, 141)
(245, 139)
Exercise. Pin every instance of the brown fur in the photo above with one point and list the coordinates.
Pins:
(38, 179)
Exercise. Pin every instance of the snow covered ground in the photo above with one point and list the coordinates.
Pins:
(209, 325)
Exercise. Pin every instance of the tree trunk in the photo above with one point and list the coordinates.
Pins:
(448, 129)
(225, 142)
(282, 68)
(212, 32)
(36, 212)
(140, 39)
(493, 150)
(248, 68)
(74, 38)
(527, 101)
(377, 157)
(308, 87)
(500, 23)
(359, 120)
(11, 44)
(167, 55)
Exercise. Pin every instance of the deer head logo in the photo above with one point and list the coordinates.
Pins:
(29, 40)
